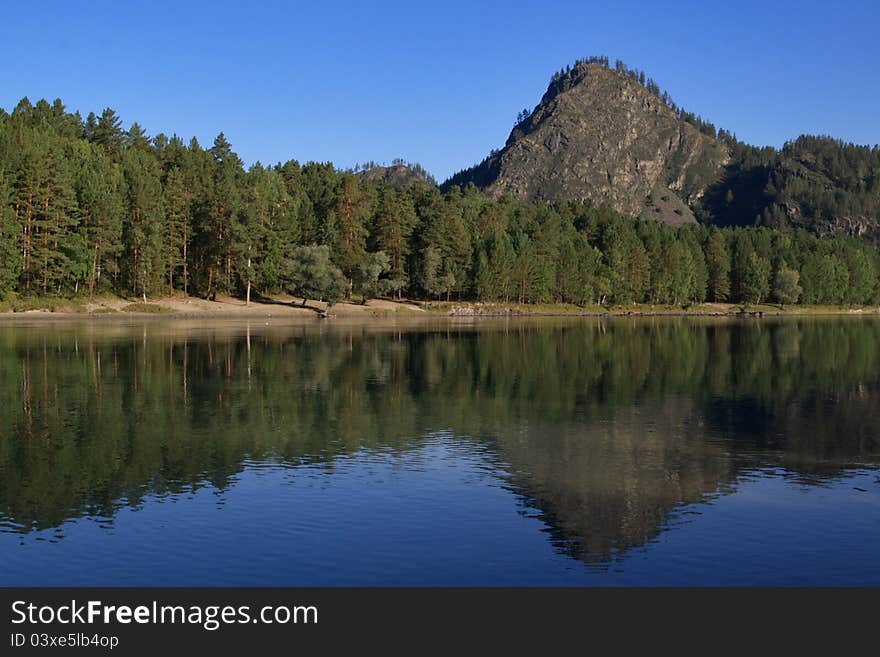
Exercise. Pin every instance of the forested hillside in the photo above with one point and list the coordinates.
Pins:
(89, 207)
(818, 183)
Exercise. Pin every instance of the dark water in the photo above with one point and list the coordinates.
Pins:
(531, 452)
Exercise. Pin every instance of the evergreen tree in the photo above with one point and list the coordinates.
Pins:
(825, 279)
(268, 231)
(447, 237)
(108, 132)
(318, 217)
(627, 262)
(525, 267)
(136, 137)
(10, 254)
(101, 201)
(47, 196)
(217, 225)
(178, 228)
(495, 275)
(393, 226)
(862, 268)
(143, 225)
(353, 209)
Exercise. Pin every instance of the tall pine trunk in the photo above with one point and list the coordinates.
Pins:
(94, 274)
(185, 270)
(248, 301)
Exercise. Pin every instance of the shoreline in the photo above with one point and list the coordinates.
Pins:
(229, 308)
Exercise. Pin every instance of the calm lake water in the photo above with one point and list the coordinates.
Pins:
(492, 452)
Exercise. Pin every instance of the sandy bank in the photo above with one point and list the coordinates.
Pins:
(292, 308)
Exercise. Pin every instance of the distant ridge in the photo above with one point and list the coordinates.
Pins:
(610, 136)
(398, 174)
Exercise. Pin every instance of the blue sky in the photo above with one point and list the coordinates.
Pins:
(435, 83)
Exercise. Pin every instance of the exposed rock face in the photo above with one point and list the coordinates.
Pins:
(862, 227)
(597, 135)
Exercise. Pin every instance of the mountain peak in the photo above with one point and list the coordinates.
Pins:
(605, 135)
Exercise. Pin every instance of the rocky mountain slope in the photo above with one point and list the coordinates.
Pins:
(608, 135)
(599, 135)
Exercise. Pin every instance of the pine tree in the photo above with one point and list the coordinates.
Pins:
(718, 265)
(53, 247)
(525, 266)
(143, 225)
(863, 281)
(31, 179)
(108, 132)
(136, 137)
(100, 197)
(353, 209)
(627, 261)
(447, 236)
(178, 227)
(222, 205)
(393, 225)
(266, 231)
(318, 216)
(10, 253)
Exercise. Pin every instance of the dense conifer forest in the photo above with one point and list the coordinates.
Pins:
(88, 207)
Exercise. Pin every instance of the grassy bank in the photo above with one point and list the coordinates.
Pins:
(78, 306)
(42, 304)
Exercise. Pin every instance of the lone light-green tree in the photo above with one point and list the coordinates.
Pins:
(368, 274)
(785, 285)
(756, 279)
(314, 276)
